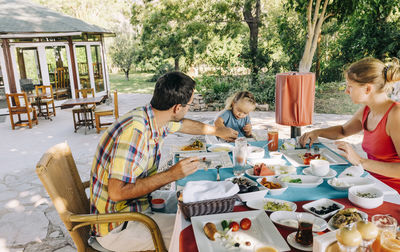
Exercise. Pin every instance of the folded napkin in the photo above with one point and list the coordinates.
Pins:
(352, 171)
(206, 190)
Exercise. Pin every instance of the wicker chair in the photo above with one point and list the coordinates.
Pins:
(59, 175)
(18, 104)
(105, 110)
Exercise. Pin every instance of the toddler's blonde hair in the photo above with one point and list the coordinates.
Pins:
(246, 95)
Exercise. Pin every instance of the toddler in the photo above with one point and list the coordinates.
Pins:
(236, 113)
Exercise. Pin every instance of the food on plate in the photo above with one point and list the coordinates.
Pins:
(210, 230)
(291, 180)
(368, 230)
(196, 145)
(345, 217)
(263, 170)
(324, 209)
(234, 226)
(221, 149)
(366, 195)
(270, 184)
(349, 236)
(340, 183)
(245, 223)
(245, 185)
(308, 156)
(225, 225)
(277, 206)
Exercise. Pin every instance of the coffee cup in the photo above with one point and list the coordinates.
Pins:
(319, 167)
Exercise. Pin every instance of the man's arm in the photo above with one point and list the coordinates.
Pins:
(198, 128)
(119, 190)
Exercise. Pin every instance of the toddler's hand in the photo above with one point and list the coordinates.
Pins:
(247, 129)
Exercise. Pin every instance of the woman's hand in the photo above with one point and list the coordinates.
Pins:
(247, 129)
(312, 136)
(348, 152)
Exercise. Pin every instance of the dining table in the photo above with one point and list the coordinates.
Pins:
(83, 103)
(183, 238)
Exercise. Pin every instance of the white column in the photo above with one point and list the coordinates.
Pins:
(15, 68)
(77, 72)
(105, 68)
(90, 67)
(43, 65)
(71, 76)
(4, 71)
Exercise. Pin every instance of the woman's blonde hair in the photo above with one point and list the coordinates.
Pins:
(374, 71)
(246, 95)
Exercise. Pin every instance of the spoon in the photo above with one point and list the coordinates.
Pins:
(218, 177)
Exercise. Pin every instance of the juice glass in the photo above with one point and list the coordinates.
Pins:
(273, 140)
(384, 223)
(239, 156)
(389, 243)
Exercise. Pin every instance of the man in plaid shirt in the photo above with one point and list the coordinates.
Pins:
(124, 170)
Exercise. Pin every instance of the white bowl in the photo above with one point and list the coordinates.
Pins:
(254, 152)
(365, 202)
(343, 184)
(275, 180)
(318, 204)
(275, 154)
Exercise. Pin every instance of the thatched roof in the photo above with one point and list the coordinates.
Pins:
(22, 16)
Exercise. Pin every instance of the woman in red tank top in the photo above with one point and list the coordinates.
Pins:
(368, 81)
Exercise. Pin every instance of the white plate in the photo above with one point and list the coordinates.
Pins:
(318, 204)
(216, 158)
(289, 220)
(332, 173)
(261, 232)
(267, 161)
(254, 152)
(222, 147)
(291, 239)
(307, 181)
(350, 181)
(244, 197)
(274, 179)
(259, 203)
(364, 216)
(294, 156)
(178, 148)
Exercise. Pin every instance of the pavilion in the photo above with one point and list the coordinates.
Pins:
(41, 46)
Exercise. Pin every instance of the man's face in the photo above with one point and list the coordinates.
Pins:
(183, 110)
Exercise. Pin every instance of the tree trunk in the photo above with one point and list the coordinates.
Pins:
(318, 64)
(176, 60)
(314, 30)
(126, 74)
(253, 23)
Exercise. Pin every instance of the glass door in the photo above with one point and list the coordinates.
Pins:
(28, 68)
(58, 69)
(83, 67)
(97, 68)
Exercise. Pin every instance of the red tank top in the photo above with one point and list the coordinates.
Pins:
(379, 146)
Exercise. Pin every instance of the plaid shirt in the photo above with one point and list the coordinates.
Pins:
(129, 149)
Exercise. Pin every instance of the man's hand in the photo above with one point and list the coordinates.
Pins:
(225, 133)
(312, 136)
(184, 167)
(247, 129)
(349, 153)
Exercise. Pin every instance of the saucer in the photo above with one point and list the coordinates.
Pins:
(292, 242)
(331, 174)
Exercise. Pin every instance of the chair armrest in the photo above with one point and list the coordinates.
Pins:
(86, 184)
(88, 219)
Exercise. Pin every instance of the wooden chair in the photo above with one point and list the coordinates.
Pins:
(59, 175)
(44, 98)
(60, 83)
(18, 104)
(105, 110)
(83, 116)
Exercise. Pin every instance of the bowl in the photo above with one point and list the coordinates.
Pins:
(317, 205)
(275, 180)
(275, 154)
(254, 152)
(365, 196)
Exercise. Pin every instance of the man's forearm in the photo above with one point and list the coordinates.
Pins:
(196, 128)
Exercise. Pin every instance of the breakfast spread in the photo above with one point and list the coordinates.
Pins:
(196, 145)
(277, 206)
(270, 184)
(345, 217)
(263, 170)
(308, 156)
(324, 209)
(245, 185)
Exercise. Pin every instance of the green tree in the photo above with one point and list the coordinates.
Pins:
(124, 52)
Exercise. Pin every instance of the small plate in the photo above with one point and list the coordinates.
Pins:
(278, 169)
(364, 216)
(331, 174)
(291, 239)
(295, 156)
(267, 161)
(276, 191)
(245, 197)
(254, 152)
(307, 181)
(318, 204)
(259, 204)
(348, 182)
(289, 220)
(222, 147)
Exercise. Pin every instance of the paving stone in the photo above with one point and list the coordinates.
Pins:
(66, 249)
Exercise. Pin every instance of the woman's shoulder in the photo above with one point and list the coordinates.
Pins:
(394, 115)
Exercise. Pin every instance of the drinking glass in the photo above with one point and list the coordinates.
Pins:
(304, 233)
(384, 223)
(389, 243)
(239, 156)
(273, 139)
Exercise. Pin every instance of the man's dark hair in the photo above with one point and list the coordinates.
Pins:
(171, 89)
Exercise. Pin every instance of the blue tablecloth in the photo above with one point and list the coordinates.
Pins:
(292, 193)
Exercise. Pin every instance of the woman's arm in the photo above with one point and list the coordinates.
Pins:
(351, 127)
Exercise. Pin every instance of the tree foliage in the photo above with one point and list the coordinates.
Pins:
(124, 52)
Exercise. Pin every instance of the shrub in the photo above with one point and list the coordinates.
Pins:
(160, 70)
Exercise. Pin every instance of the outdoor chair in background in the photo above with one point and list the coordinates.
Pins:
(106, 110)
(19, 105)
(27, 85)
(83, 116)
(44, 98)
(59, 175)
(60, 83)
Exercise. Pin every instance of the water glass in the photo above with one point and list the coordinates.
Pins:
(239, 156)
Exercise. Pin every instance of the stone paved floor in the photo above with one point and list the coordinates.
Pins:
(28, 220)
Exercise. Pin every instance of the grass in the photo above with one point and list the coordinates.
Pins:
(137, 83)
